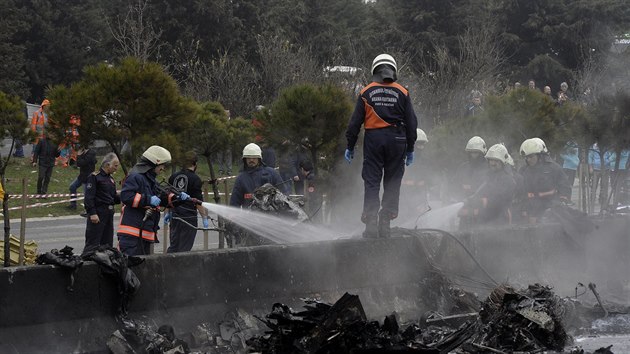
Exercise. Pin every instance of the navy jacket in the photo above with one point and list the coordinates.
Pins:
(100, 191)
(250, 179)
(86, 163)
(381, 105)
(136, 198)
(45, 153)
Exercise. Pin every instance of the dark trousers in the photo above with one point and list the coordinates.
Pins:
(182, 236)
(383, 159)
(571, 178)
(101, 233)
(73, 190)
(133, 246)
(43, 178)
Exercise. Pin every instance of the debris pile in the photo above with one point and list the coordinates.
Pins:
(528, 320)
(63, 258)
(145, 339)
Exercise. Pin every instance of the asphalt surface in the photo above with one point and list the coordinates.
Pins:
(57, 232)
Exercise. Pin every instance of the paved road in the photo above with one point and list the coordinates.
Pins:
(51, 233)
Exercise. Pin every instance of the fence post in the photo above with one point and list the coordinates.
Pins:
(23, 222)
(205, 232)
(221, 221)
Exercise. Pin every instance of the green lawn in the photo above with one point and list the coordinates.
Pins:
(20, 168)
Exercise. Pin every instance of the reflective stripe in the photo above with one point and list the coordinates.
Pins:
(248, 196)
(134, 231)
(541, 194)
(136, 200)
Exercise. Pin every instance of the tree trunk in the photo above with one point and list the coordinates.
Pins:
(215, 187)
(5, 210)
(115, 150)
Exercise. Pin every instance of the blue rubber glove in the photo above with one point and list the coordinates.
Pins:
(183, 196)
(409, 159)
(167, 218)
(155, 201)
(205, 223)
(349, 155)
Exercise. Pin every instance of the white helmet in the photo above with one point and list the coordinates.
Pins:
(157, 155)
(530, 147)
(498, 152)
(384, 59)
(541, 142)
(252, 151)
(476, 144)
(422, 136)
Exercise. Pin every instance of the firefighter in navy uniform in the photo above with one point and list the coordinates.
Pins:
(544, 180)
(385, 110)
(472, 172)
(491, 203)
(253, 175)
(100, 198)
(141, 198)
(182, 236)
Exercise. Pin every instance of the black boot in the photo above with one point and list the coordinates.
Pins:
(383, 225)
(371, 227)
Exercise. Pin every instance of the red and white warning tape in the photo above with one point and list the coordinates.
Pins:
(53, 195)
(44, 204)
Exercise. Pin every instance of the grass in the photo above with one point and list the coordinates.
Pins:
(20, 168)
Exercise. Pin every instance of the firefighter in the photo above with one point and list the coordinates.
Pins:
(39, 121)
(100, 198)
(472, 172)
(253, 175)
(490, 204)
(385, 110)
(544, 181)
(182, 236)
(141, 198)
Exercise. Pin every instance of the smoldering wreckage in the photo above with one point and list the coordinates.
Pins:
(532, 319)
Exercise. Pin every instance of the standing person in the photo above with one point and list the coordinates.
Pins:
(472, 172)
(531, 84)
(544, 181)
(182, 236)
(39, 121)
(490, 204)
(475, 107)
(86, 162)
(141, 198)
(100, 198)
(253, 175)
(385, 110)
(44, 155)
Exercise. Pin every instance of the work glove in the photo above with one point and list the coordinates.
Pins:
(409, 159)
(155, 201)
(205, 223)
(349, 155)
(183, 196)
(167, 218)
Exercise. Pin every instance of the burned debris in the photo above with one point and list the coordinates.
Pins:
(529, 320)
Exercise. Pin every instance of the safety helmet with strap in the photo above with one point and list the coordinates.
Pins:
(498, 152)
(157, 155)
(422, 136)
(476, 144)
(384, 59)
(252, 151)
(531, 147)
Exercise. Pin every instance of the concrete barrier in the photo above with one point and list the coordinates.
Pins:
(38, 314)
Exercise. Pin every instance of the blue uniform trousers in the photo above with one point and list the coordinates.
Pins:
(383, 159)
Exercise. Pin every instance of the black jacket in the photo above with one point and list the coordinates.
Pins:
(86, 163)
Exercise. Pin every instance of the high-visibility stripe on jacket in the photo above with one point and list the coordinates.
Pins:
(136, 199)
(382, 105)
